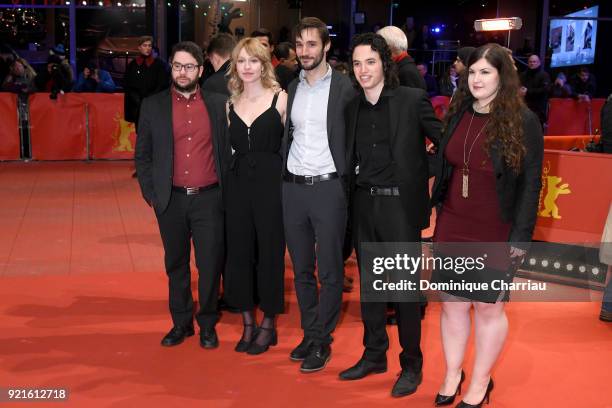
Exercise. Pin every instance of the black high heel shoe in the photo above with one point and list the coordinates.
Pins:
(243, 345)
(442, 400)
(486, 398)
(255, 348)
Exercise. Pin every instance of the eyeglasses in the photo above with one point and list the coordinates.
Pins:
(177, 66)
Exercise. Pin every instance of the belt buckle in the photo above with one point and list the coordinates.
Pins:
(309, 180)
(192, 190)
(373, 191)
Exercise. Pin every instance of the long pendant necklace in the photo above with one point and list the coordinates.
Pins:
(465, 172)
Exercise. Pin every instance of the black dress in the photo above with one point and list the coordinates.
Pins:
(254, 219)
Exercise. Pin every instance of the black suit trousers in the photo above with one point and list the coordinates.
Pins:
(199, 218)
(383, 219)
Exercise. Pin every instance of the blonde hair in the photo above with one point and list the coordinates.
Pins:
(253, 47)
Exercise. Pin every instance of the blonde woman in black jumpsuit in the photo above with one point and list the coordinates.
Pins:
(255, 238)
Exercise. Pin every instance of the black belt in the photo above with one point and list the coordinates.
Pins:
(384, 191)
(309, 180)
(194, 190)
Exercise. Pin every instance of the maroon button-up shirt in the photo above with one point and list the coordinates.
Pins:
(194, 163)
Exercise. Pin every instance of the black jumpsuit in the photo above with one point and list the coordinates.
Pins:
(254, 219)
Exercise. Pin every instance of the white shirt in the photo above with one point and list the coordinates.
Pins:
(309, 154)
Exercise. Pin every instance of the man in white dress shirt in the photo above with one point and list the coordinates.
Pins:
(314, 200)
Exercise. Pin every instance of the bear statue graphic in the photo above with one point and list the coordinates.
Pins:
(554, 191)
(121, 135)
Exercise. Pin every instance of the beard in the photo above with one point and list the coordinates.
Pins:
(189, 87)
(315, 63)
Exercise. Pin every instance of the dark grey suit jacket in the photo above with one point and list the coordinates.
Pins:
(411, 119)
(154, 153)
(340, 93)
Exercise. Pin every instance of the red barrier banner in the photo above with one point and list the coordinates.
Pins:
(111, 137)
(9, 127)
(569, 142)
(440, 105)
(58, 127)
(575, 197)
(571, 117)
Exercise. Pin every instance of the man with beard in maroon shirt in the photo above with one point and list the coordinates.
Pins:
(179, 157)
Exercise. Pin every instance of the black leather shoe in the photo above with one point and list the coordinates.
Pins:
(317, 359)
(407, 383)
(442, 400)
(209, 339)
(301, 351)
(605, 315)
(362, 369)
(177, 335)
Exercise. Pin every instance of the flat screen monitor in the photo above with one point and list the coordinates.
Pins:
(573, 41)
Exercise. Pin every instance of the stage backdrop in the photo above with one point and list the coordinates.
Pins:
(58, 127)
(111, 136)
(9, 127)
(65, 128)
(575, 197)
(571, 117)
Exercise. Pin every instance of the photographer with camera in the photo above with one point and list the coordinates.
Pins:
(94, 79)
(57, 77)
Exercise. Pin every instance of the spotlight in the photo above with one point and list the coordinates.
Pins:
(545, 263)
(84, 3)
(532, 261)
(498, 24)
(557, 265)
(595, 271)
(119, 4)
(582, 268)
(569, 267)
(100, 4)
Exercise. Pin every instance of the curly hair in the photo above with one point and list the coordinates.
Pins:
(254, 48)
(505, 123)
(379, 45)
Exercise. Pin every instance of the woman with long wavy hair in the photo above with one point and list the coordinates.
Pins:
(487, 186)
(255, 239)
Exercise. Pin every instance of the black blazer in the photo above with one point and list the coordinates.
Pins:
(341, 91)
(141, 81)
(409, 75)
(218, 81)
(154, 155)
(411, 119)
(518, 195)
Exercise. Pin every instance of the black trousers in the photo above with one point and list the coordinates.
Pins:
(315, 221)
(383, 219)
(255, 271)
(199, 218)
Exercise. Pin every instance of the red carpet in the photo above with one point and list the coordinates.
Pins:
(84, 306)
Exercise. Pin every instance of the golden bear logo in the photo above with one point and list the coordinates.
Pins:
(121, 135)
(554, 191)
